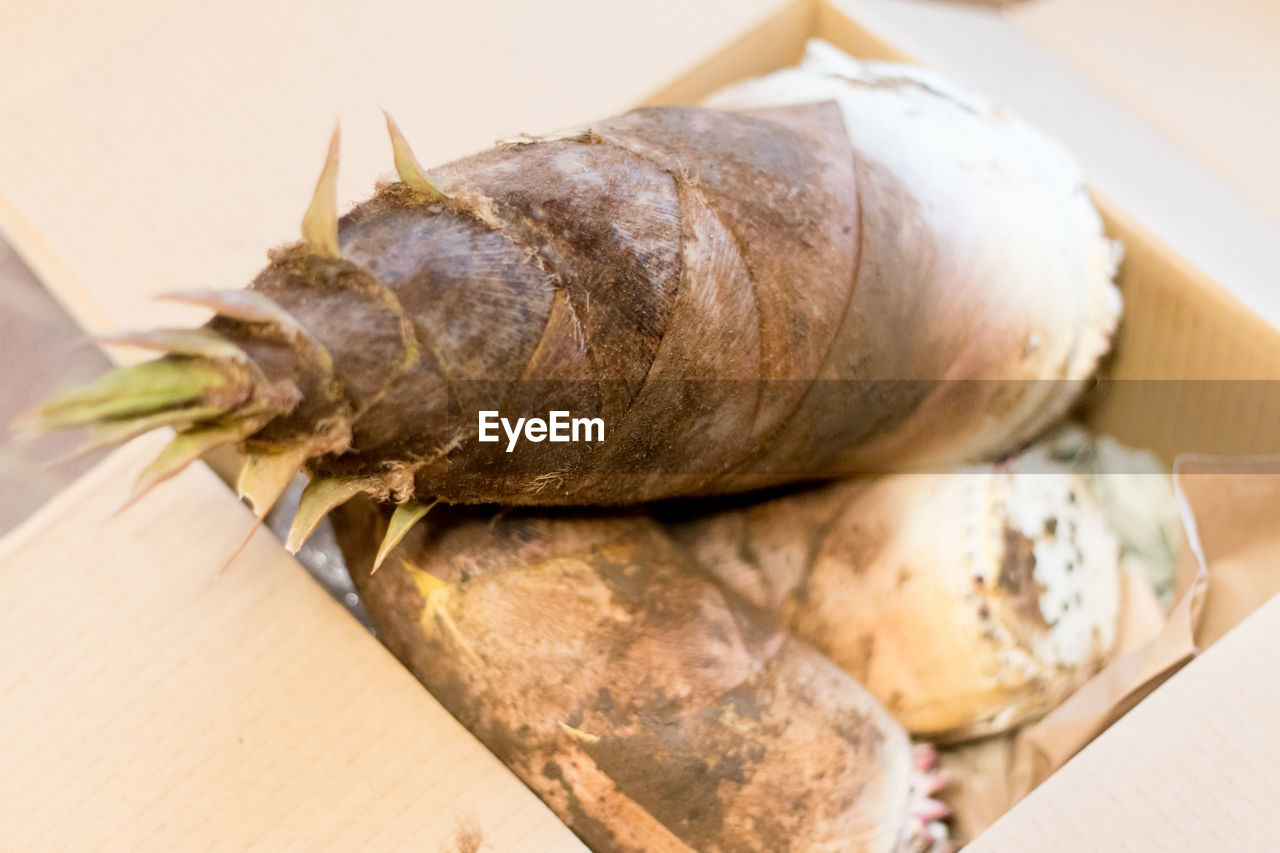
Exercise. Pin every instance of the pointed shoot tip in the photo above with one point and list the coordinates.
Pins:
(320, 496)
(407, 165)
(320, 222)
(406, 515)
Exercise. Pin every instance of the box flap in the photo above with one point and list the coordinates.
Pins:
(1193, 767)
(150, 700)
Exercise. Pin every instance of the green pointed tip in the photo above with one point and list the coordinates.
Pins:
(116, 432)
(131, 392)
(406, 515)
(407, 165)
(186, 448)
(320, 222)
(266, 475)
(320, 496)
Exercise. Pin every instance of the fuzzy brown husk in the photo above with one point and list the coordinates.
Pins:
(647, 708)
(724, 290)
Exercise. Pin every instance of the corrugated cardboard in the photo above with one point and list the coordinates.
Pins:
(1193, 766)
(162, 145)
(151, 703)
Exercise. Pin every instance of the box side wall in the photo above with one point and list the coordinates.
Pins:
(776, 43)
(1191, 768)
(1193, 368)
(1179, 325)
(157, 700)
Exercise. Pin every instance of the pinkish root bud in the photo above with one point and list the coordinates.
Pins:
(924, 756)
(934, 781)
(926, 832)
(931, 810)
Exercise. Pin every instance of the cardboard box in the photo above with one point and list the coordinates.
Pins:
(1115, 81)
(151, 701)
